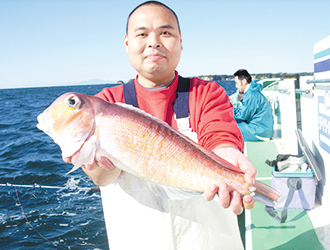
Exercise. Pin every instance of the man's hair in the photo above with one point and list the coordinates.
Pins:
(151, 3)
(243, 74)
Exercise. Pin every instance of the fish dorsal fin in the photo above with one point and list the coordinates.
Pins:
(213, 155)
(128, 106)
(207, 152)
(221, 161)
(149, 116)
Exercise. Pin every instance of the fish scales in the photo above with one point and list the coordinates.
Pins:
(157, 152)
(138, 143)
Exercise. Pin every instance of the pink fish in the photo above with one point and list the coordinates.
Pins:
(140, 144)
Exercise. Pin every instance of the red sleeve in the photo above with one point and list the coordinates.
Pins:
(212, 115)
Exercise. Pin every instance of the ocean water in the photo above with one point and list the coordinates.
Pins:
(67, 217)
(229, 86)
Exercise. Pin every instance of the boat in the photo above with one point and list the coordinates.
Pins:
(299, 103)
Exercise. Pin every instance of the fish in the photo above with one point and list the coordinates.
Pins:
(142, 145)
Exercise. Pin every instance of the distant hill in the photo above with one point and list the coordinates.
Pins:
(94, 81)
(258, 76)
(98, 81)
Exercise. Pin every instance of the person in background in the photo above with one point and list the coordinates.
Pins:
(252, 111)
(136, 216)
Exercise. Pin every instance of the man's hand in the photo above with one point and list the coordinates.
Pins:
(101, 173)
(233, 199)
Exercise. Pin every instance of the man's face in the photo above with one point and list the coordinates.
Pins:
(153, 43)
(240, 84)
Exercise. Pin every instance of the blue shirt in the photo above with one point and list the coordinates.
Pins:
(253, 113)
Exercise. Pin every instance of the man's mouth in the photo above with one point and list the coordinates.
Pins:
(155, 56)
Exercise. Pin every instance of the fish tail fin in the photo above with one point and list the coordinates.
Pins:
(263, 189)
(263, 199)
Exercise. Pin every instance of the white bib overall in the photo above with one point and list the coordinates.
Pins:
(136, 218)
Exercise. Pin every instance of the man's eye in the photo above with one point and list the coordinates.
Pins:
(142, 35)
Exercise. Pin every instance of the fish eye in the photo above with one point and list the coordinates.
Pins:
(73, 102)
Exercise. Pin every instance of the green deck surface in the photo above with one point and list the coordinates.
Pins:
(297, 232)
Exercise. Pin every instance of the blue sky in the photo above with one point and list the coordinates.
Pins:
(63, 42)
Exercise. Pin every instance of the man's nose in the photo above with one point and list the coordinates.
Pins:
(153, 41)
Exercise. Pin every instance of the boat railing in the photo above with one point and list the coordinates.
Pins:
(315, 81)
(284, 98)
(304, 91)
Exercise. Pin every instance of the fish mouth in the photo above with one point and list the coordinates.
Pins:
(68, 145)
(44, 122)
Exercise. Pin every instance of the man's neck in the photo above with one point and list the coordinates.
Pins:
(157, 83)
(158, 87)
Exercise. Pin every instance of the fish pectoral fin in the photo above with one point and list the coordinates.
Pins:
(86, 154)
(172, 193)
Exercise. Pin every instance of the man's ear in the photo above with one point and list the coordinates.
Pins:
(126, 43)
(181, 42)
(244, 81)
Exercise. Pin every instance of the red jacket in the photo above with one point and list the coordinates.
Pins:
(211, 113)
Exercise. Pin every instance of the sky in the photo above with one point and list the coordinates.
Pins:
(66, 42)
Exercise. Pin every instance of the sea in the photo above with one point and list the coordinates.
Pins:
(40, 206)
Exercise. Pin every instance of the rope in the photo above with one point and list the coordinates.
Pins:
(52, 187)
(26, 219)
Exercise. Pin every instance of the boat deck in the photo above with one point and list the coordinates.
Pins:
(263, 231)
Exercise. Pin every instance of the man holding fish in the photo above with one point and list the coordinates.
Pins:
(135, 216)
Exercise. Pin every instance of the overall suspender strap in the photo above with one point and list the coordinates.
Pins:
(130, 94)
(181, 104)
